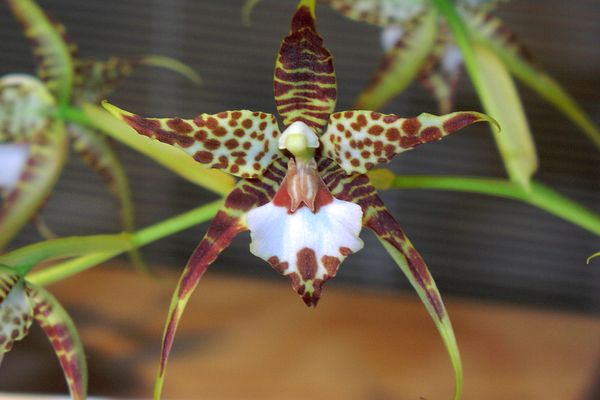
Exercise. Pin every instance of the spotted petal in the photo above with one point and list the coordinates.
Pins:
(51, 48)
(63, 335)
(305, 86)
(358, 140)
(16, 313)
(243, 143)
(359, 190)
(229, 221)
(95, 80)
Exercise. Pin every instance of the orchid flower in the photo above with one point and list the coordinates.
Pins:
(22, 302)
(431, 40)
(34, 138)
(304, 194)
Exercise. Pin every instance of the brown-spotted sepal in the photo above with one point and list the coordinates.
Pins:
(304, 232)
(16, 313)
(358, 140)
(96, 79)
(304, 82)
(53, 49)
(242, 143)
(20, 303)
(63, 336)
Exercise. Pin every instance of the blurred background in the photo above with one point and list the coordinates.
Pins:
(477, 247)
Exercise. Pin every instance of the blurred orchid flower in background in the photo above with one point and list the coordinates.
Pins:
(431, 40)
(22, 302)
(304, 194)
(34, 136)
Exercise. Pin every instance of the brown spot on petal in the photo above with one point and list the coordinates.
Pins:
(231, 144)
(375, 130)
(392, 134)
(331, 265)
(212, 144)
(345, 251)
(179, 125)
(278, 265)
(431, 133)
(459, 121)
(203, 157)
(411, 126)
(306, 259)
(388, 119)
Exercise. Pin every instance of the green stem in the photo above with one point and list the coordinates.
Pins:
(140, 238)
(539, 195)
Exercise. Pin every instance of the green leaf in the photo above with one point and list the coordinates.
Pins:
(501, 100)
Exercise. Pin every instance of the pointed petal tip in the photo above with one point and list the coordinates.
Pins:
(310, 299)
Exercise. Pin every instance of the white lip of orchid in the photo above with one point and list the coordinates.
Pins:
(13, 157)
(297, 138)
(306, 246)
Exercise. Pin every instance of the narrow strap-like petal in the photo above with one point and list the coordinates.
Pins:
(61, 331)
(228, 222)
(97, 79)
(359, 190)
(16, 313)
(242, 143)
(442, 69)
(304, 83)
(52, 49)
(402, 62)
(358, 140)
